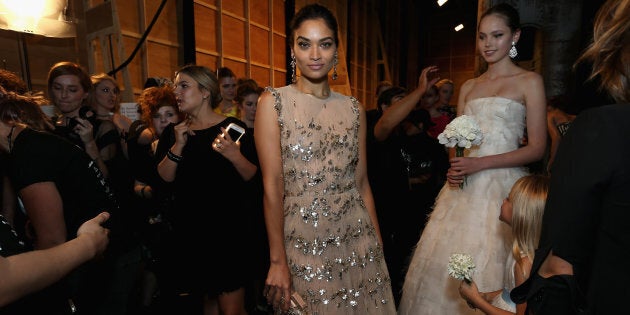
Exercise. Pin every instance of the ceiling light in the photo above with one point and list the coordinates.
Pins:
(459, 27)
(441, 2)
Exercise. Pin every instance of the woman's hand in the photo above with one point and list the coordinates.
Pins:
(460, 167)
(225, 146)
(84, 129)
(469, 292)
(278, 287)
(182, 130)
(427, 78)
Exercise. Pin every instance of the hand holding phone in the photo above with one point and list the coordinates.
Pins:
(235, 131)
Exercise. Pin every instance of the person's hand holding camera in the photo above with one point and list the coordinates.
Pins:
(84, 129)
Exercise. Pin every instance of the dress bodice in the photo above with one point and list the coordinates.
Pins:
(502, 122)
(322, 162)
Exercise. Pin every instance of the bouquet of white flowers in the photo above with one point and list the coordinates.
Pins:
(461, 267)
(461, 133)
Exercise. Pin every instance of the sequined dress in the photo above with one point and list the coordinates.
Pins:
(467, 220)
(336, 263)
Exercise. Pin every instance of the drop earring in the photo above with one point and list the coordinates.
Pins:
(513, 53)
(293, 75)
(335, 62)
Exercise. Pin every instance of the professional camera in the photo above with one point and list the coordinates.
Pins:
(85, 112)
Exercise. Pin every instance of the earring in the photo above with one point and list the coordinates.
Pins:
(293, 75)
(513, 53)
(335, 62)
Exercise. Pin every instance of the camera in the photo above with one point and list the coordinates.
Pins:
(85, 112)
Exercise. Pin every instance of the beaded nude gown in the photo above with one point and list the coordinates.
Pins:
(467, 220)
(336, 262)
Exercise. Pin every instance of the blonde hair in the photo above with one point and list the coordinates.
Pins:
(610, 50)
(206, 79)
(528, 197)
(96, 80)
(439, 84)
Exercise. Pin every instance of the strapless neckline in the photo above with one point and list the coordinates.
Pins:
(499, 97)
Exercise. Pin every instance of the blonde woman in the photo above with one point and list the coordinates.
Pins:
(522, 210)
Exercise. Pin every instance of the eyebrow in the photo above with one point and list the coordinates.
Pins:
(321, 40)
(494, 32)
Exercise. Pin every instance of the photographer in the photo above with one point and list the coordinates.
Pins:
(68, 88)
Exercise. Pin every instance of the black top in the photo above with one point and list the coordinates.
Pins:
(587, 214)
(44, 157)
(387, 171)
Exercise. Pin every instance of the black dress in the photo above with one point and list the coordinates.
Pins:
(211, 227)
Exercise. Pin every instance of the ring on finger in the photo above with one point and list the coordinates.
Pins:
(219, 145)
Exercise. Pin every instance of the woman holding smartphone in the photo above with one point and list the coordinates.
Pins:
(210, 174)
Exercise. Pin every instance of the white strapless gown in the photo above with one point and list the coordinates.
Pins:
(467, 220)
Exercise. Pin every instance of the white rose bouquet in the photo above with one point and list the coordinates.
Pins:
(461, 133)
(461, 267)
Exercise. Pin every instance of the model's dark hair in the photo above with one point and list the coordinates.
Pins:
(506, 11)
(312, 12)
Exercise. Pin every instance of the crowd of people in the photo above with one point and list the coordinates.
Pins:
(320, 206)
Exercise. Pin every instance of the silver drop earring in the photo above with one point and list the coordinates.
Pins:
(293, 74)
(513, 53)
(335, 62)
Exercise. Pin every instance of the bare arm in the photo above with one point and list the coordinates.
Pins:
(167, 167)
(32, 271)
(44, 207)
(522, 270)
(398, 111)
(362, 177)
(267, 133)
(482, 301)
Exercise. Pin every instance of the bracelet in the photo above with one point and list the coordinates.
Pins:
(174, 157)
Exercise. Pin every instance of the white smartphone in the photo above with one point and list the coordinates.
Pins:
(235, 131)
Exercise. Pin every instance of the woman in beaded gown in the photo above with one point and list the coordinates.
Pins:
(504, 100)
(321, 221)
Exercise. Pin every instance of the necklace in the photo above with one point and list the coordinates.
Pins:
(10, 138)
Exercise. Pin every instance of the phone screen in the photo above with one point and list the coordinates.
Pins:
(235, 131)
